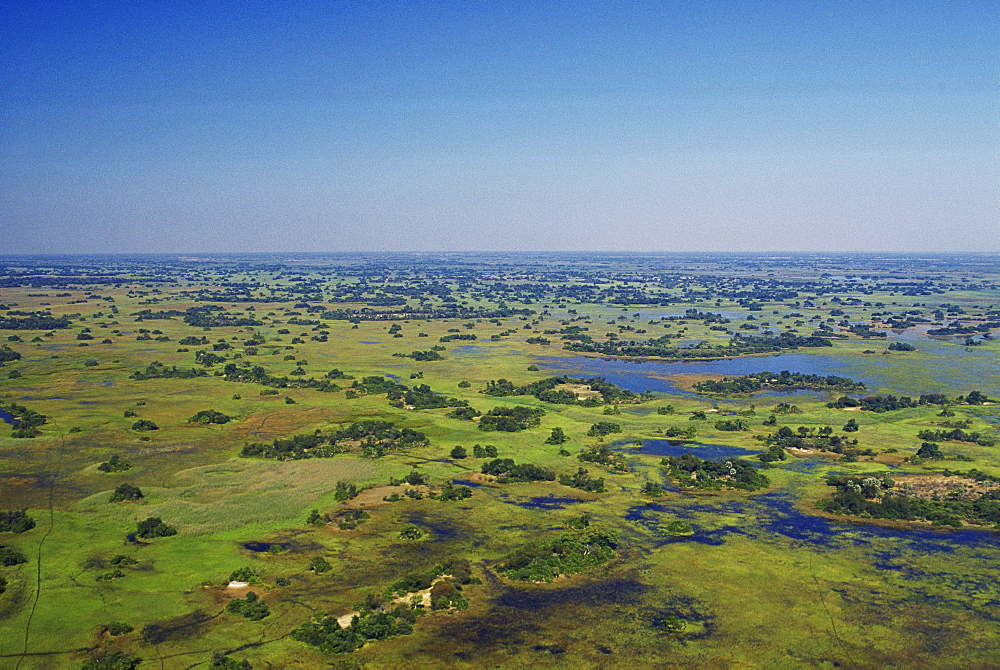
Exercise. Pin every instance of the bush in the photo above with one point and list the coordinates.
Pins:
(319, 565)
(112, 660)
(250, 607)
(210, 416)
(144, 424)
(125, 492)
(154, 527)
(15, 522)
(602, 428)
(244, 574)
(10, 556)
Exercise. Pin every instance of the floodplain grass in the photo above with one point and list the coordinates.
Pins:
(853, 610)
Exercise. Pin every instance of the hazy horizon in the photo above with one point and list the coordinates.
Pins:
(451, 127)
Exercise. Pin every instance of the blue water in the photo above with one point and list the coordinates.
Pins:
(954, 370)
(639, 376)
(699, 449)
(369, 342)
(544, 502)
(260, 547)
(773, 515)
(7, 417)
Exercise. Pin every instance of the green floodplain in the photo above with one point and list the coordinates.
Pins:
(462, 460)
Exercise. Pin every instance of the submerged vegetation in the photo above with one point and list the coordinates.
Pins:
(313, 428)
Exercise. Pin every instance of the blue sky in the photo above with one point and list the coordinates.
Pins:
(284, 126)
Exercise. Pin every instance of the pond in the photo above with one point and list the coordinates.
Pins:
(675, 448)
(952, 370)
(771, 515)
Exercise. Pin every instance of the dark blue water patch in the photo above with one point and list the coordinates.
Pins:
(598, 593)
(89, 402)
(466, 482)
(7, 417)
(442, 531)
(774, 514)
(369, 342)
(263, 547)
(641, 376)
(952, 366)
(703, 450)
(544, 502)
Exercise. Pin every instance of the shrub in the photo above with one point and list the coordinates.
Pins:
(112, 660)
(210, 416)
(144, 424)
(125, 492)
(10, 556)
(250, 607)
(154, 527)
(602, 428)
(15, 522)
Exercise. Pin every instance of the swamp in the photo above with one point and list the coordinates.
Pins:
(499, 460)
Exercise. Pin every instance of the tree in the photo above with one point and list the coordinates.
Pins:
(557, 436)
(851, 426)
(15, 522)
(125, 492)
(154, 527)
(144, 424)
(112, 660)
(930, 450)
(459, 452)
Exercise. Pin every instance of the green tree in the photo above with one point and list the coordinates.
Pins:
(557, 436)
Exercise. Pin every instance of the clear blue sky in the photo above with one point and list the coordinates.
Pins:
(298, 125)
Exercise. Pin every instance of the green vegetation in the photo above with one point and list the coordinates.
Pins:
(511, 419)
(154, 527)
(602, 428)
(125, 492)
(365, 481)
(371, 438)
(16, 522)
(210, 416)
(251, 607)
(690, 471)
(782, 381)
(570, 553)
(115, 464)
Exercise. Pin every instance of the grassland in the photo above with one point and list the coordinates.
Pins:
(765, 580)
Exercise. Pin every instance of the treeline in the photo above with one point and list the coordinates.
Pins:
(889, 403)
(956, 435)
(372, 438)
(35, 321)
(546, 391)
(874, 498)
(739, 345)
(258, 375)
(690, 471)
(157, 370)
(206, 316)
(408, 312)
(782, 381)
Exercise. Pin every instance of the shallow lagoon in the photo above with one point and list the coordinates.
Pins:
(953, 368)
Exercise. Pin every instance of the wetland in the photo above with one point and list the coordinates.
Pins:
(352, 482)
